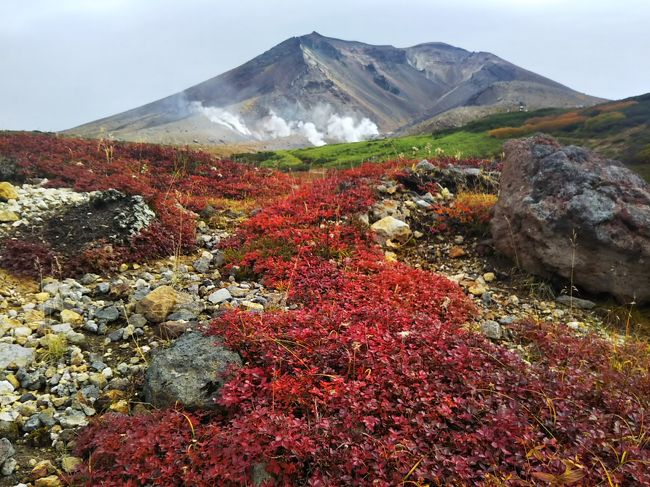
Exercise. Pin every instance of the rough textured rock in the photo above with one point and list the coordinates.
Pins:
(390, 228)
(219, 296)
(7, 191)
(15, 356)
(6, 450)
(492, 330)
(564, 208)
(576, 302)
(191, 372)
(8, 216)
(157, 305)
(131, 213)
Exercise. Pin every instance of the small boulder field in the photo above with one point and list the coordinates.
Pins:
(171, 318)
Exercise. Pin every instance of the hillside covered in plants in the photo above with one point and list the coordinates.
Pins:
(617, 129)
(365, 329)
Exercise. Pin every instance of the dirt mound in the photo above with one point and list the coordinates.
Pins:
(109, 216)
(105, 217)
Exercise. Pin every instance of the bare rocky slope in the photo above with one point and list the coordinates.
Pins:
(318, 89)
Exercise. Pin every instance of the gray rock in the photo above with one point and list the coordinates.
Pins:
(492, 330)
(182, 315)
(33, 423)
(141, 293)
(46, 419)
(220, 296)
(238, 291)
(190, 372)
(91, 392)
(566, 211)
(132, 217)
(218, 259)
(577, 302)
(6, 450)
(472, 171)
(61, 328)
(147, 276)
(486, 298)
(137, 320)
(31, 381)
(89, 279)
(98, 365)
(15, 355)
(507, 320)
(202, 264)
(90, 326)
(424, 166)
(73, 419)
(8, 467)
(6, 387)
(107, 314)
(428, 197)
(75, 338)
(116, 335)
(103, 288)
(9, 430)
(53, 305)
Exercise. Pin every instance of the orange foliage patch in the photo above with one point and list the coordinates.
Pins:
(540, 124)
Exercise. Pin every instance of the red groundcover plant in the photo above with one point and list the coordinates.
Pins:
(171, 180)
(375, 379)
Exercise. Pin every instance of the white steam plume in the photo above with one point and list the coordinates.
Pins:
(321, 124)
(309, 130)
(223, 117)
(345, 129)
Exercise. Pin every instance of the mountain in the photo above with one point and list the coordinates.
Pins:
(318, 89)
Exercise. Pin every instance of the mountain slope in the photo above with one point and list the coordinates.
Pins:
(321, 89)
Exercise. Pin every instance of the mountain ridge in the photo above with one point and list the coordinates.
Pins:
(320, 89)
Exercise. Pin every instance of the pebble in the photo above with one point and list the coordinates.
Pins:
(6, 387)
(107, 314)
(8, 467)
(220, 296)
(69, 464)
(492, 329)
(576, 302)
(456, 252)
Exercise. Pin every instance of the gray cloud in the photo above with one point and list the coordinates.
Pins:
(66, 62)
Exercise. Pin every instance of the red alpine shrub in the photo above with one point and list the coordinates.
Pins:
(374, 378)
(171, 180)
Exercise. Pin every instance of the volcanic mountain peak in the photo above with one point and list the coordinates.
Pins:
(318, 89)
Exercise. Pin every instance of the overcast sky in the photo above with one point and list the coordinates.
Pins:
(66, 62)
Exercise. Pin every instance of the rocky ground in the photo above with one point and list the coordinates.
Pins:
(73, 349)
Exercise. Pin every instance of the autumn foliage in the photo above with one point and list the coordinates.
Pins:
(540, 124)
(373, 377)
(174, 182)
(469, 212)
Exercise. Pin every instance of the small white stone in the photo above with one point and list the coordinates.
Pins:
(6, 387)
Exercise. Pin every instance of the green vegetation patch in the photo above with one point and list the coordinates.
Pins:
(460, 143)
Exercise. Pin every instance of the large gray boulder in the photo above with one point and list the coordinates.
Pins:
(190, 372)
(566, 210)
